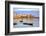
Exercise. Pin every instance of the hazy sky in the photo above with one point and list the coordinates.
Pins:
(34, 12)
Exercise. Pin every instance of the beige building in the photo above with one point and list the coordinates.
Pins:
(23, 17)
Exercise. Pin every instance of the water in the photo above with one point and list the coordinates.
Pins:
(34, 22)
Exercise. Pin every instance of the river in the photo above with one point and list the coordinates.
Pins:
(34, 22)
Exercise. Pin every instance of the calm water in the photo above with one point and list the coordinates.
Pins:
(35, 23)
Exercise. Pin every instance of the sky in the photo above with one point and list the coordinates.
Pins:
(34, 12)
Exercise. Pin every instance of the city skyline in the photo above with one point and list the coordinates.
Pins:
(27, 11)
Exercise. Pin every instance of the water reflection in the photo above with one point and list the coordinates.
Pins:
(28, 23)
